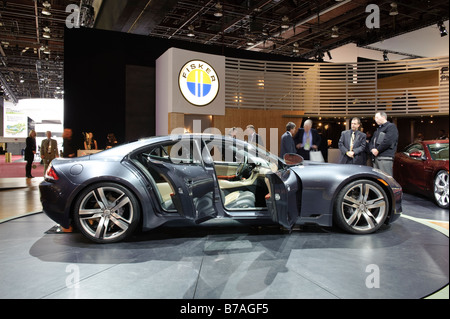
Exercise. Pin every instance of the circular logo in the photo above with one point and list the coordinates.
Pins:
(199, 83)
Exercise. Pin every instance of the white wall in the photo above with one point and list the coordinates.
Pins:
(426, 42)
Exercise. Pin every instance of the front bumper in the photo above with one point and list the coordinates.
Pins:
(397, 205)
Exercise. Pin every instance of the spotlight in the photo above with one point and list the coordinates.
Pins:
(394, 9)
(385, 56)
(218, 13)
(335, 32)
(285, 23)
(442, 29)
(191, 33)
(46, 9)
(46, 33)
(296, 50)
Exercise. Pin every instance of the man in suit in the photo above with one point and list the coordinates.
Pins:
(287, 140)
(352, 144)
(307, 139)
(49, 150)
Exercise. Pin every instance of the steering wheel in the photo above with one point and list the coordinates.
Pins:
(242, 167)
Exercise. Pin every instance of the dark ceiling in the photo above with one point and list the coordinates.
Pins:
(30, 70)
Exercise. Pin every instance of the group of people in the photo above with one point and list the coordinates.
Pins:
(49, 151)
(49, 148)
(353, 144)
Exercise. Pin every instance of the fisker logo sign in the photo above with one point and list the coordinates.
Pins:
(199, 83)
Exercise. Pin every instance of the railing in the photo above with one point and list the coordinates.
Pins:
(406, 87)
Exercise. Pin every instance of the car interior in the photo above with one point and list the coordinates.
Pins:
(241, 173)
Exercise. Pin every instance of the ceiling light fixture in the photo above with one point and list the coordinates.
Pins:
(385, 56)
(46, 9)
(47, 34)
(442, 29)
(335, 32)
(219, 10)
(285, 23)
(296, 50)
(394, 9)
(191, 33)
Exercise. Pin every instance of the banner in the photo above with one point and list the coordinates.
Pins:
(15, 122)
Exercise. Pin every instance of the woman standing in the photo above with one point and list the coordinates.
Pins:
(30, 151)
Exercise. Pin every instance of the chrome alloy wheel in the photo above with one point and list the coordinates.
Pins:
(441, 189)
(106, 213)
(362, 207)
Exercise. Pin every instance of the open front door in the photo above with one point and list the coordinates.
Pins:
(282, 201)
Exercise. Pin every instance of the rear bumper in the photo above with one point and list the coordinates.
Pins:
(53, 204)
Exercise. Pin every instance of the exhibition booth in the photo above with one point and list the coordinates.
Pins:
(174, 89)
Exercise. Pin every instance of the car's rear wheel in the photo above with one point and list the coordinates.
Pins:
(106, 213)
(441, 189)
(361, 207)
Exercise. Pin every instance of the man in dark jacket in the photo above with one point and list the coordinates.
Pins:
(287, 140)
(383, 145)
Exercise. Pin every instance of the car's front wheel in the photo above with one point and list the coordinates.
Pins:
(361, 207)
(441, 189)
(106, 213)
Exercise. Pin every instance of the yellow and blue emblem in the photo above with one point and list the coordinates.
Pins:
(199, 83)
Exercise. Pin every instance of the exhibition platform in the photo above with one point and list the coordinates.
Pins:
(222, 259)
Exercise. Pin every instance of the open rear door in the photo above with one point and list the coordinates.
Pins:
(282, 201)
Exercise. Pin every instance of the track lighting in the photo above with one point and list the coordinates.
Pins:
(394, 9)
(296, 50)
(385, 56)
(442, 29)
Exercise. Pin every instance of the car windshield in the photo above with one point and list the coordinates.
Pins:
(438, 151)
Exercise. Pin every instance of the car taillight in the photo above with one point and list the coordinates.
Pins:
(51, 174)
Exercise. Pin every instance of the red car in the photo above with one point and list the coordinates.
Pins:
(423, 168)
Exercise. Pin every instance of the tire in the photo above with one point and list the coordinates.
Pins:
(361, 207)
(106, 213)
(440, 189)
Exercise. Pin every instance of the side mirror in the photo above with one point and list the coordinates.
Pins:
(293, 159)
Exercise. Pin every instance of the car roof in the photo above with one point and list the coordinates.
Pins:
(124, 149)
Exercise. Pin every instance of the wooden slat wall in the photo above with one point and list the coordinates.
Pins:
(407, 87)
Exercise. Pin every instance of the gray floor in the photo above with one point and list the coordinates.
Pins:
(227, 260)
